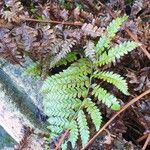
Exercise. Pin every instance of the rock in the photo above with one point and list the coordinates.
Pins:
(20, 102)
(5, 140)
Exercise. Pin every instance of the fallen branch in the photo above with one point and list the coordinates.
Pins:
(52, 21)
(116, 115)
(142, 138)
(146, 143)
(62, 139)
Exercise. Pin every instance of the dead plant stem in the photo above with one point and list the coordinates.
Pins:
(53, 21)
(147, 141)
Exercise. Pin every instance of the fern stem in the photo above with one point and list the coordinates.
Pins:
(146, 143)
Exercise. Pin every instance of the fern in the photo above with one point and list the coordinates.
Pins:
(94, 112)
(89, 51)
(114, 79)
(70, 93)
(108, 99)
(91, 30)
(15, 7)
(83, 127)
(33, 70)
(65, 49)
(115, 53)
(111, 31)
(73, 133)
(70, 57)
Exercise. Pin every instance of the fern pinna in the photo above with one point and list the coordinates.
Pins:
(69, 94)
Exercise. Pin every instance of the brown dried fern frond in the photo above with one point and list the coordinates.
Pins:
(65, 48)
(14, 12)
(14, 5)
(137, 7)
(25, 35)
(8, 47)
(89, 50)
(92, 30)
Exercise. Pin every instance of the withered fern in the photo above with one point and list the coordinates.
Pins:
(13, 12)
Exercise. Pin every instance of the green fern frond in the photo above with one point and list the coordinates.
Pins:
(74, 76)
(71, 92)
(94, 112)
(111, 31)
(59, 109)
(62, 104)
(67, 83)
(68, 93)
(58, 121)
(116, 52)
(108, 99)
(33, 70)
(70, 57)
(55, 100)
(83, 127)
(59, 106)
(115, 25)
(114, 79)
(62, 112)
(74, 133)
(55, 129)
(64, 145)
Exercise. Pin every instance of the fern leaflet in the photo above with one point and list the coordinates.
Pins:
(83, 127)
(114, 79)
(111, 31)
(116, 52)
(70, 57)
(73, 133)
(94, 112)
(108, 99)
(33, 70)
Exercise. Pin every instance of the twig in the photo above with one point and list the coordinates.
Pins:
(61, 140)
(52, 21)
(136, 40)
(109, 133)
(112, 119)
(142, 138)
(146, 143)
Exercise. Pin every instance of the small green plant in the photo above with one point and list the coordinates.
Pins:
(33, 70)
(71, 95)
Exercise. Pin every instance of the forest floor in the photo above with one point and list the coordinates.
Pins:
(130, 130)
